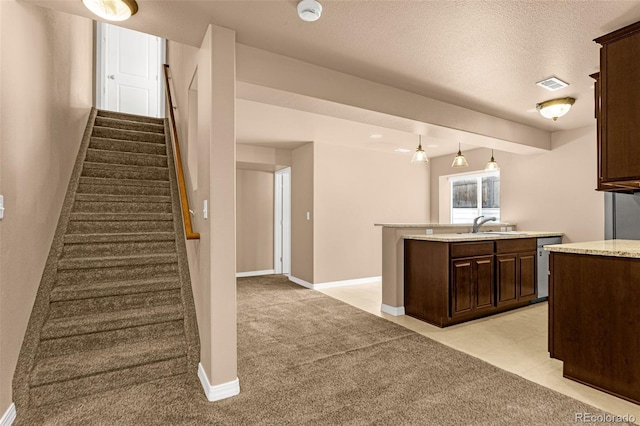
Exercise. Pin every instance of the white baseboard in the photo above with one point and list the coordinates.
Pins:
(298, 281)
(396, 311)
(331, 284)
(255, 273)
(344, 283)
(217, 392)
(9, 416)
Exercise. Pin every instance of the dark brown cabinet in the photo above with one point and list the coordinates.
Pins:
(617, 93)
(471, 285)
(448, 283)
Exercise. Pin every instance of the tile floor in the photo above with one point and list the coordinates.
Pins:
(515, 341)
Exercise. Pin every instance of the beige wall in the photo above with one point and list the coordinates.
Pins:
(302, 202)
(355, 188)
(547, 192)
(254, 220)
(212, 261)
(46, 75)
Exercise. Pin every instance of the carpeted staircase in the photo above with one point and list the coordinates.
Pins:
(115, 306)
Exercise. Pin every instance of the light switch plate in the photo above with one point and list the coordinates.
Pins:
(205, 210)
(1, 207)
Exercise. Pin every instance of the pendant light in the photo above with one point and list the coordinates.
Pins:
(459, 161)
(112, 10)
(492, 165)
(419, 156)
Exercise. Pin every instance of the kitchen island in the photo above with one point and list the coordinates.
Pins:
(393, 255)
(452, 278)
(594, 314)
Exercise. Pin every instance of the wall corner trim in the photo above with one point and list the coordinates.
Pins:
(255, 273)
(396, 311)
(9, 416)
(217, 392)
(331, 284)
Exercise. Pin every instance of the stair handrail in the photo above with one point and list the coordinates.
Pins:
(182, 187)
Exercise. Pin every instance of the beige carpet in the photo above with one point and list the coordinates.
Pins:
(305, 358)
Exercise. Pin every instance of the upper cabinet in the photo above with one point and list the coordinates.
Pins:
(617, 92)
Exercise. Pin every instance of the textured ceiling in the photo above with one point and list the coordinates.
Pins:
(482, 55)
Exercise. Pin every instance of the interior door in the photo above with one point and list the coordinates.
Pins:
(132, 71)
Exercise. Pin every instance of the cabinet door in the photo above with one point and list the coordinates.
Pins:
(620, 113)
(461, 286)
(526, 276)
(507, 278)
(484, 295)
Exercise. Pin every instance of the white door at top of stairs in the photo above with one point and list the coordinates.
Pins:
(131, 71)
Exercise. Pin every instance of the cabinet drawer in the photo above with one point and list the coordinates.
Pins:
(472, 249)
(516, 245)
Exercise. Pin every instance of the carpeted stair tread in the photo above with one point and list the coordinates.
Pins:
(112, 261)
(116, 182)
(110, 198)
(117, 379)
(115, 237)
(88, 363)
(114, 303)
(127, 146)
(128, 135)
(118, 248)
(129, 117)
(61, 327)
(118, 217)
(120, 273)
(126, 158)
(121, 207)
(121, 171)
(122, 226)
(119, 123)
(90, 290)
(105, 339)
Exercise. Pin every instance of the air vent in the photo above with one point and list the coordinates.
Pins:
(552, 83)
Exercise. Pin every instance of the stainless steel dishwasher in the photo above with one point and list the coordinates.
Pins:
(543, 267)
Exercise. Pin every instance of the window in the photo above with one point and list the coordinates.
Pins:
(475, 195)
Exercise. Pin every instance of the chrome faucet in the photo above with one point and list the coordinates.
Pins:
(477, 223)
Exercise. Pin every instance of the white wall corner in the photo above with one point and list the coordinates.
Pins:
(217, 392)
(9, 416)
(255, 273)
(396, 311)
(303, 283)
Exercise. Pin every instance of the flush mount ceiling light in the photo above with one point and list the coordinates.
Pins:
(419, 156)
(309, 10)
(492, 164)
(112, 10)
(555, 108)
(459, 160)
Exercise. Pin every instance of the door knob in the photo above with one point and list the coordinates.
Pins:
(112, 77)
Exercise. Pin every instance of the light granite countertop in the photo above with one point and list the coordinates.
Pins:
(441, 225)
(484, 236)
(614, 248)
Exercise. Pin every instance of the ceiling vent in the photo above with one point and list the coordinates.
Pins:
(552, 84)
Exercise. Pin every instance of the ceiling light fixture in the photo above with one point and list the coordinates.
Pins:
(459, 160)
(419, 156)
(492, 165)
(555, 108)
(112, 10)
(309, 10)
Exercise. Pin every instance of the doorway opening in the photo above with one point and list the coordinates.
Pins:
(282, 222)
(129, 71)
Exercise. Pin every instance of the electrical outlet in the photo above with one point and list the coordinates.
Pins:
(429, 231)
(503, 228)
